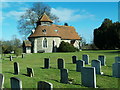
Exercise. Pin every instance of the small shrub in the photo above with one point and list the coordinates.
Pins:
(18, 51)
(66, 47)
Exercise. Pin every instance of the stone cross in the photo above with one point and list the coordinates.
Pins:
(97, 65)
(79, 64)
(43, 85)
(64, 75)
(16, 68)
(85, 58)
(30, 72)
(1, 81)
(102, 59)
(11, 58)
(88, 76)
(60, 63)
(117, 59)
(74, 59)
(116, 70)
(16, 83)
(46, 63)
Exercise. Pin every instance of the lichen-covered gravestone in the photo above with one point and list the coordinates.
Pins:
(116, 70)
(117, 59)
(88, 76)
(43, 85)
(11, 58)
(1, 81)
(16, 68)
(79, 64)
(46, 63)
(102, 58)
(16, 83)
(30, 72)
(64, 75)
(85, 58)
(60, 63)
(97, 65)
(74, 59)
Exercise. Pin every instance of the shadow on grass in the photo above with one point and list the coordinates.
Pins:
(48, 68)
(10, 72)
(55, 80)
(25, 75)
(107, 75)
(72, 70)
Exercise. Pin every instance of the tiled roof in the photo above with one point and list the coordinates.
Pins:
(27, 43)
(65, 32)
(45, 18)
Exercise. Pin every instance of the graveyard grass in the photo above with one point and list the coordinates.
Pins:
(52, 75)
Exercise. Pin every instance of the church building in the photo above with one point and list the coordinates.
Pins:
(48, 36)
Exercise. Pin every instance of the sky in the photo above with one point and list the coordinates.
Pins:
(84, 16)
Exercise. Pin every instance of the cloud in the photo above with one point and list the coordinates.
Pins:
(5, 5)
(71, 15)
(13, 14)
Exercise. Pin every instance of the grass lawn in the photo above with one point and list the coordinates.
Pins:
(52, 75)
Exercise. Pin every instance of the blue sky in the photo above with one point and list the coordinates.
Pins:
(84, 16)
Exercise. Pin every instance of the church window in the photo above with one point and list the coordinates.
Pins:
(45, 43)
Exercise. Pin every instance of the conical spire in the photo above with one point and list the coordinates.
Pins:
(45, 18)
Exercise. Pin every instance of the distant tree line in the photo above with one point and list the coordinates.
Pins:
(10, 46)
(107, 36)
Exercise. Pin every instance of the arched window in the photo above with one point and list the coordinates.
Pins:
(45, 43)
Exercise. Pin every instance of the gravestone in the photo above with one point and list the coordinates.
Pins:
(79, 64)
(1, 81)
(117, 59)
(60, 63)
(11, 58)
(97, 65)
(16, 68)
(22, 55)
(102, 59)
(30, 72)
(46, 63)
(64, 75)
(16, 83)
(85, 58)
(88, 76)
(116, 70)
(42, 85)
(74, 59)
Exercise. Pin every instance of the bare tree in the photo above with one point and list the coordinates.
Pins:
(27, 22)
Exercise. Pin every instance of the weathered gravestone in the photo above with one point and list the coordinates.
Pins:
(97, 65)
(74, 59)
(1, 81)
(102, 59)
(85, 58)
(16, 83)
(11, 58)
(30, 72)
(79, 64)
(60, 63)
(64, 75)
(88, 76)
(117, 59)
(22, 55)
(116, 70)
(46, 63)
(42, 85)
(16, 68)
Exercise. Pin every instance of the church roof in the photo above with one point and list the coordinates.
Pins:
(64, 32)
(27, 43)
(45, 18)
